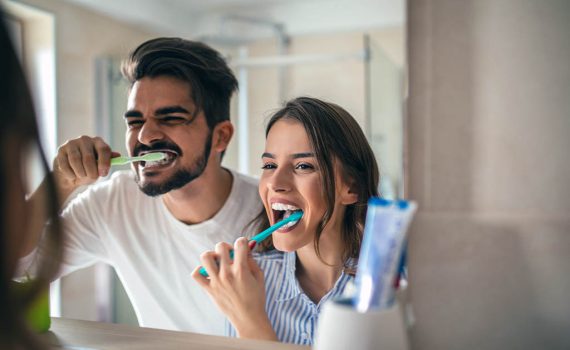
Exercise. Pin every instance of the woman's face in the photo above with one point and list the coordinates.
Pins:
(291, 180)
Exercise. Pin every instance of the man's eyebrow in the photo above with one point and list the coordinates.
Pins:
(160, 111)
(133, 114)
(294, 156)
(170, 110)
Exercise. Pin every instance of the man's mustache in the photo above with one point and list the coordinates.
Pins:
(159, 145)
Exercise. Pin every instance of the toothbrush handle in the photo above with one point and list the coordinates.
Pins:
(119, 160)
(251, 244)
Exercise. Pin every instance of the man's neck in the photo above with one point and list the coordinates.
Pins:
(202, 198)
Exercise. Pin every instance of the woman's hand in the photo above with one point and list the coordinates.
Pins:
(238, 289)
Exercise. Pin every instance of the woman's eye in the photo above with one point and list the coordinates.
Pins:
(267, 166)
(304, 166)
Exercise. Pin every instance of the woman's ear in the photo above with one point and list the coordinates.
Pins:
(222, 135)
(348, 193)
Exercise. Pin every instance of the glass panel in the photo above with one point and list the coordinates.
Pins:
(112, 93)
(386, 119)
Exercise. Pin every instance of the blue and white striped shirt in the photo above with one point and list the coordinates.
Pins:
(292, 314)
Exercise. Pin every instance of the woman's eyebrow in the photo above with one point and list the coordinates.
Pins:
(303, 155)
(294, 156)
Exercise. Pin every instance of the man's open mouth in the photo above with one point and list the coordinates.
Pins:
(170, 157)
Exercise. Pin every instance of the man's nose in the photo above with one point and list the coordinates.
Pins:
(149, 133)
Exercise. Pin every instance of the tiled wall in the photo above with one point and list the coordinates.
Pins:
(489, 164)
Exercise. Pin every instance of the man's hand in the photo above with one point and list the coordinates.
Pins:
(79, 162)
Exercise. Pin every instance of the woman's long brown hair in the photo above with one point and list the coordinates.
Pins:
(17, 122)
(335, 137)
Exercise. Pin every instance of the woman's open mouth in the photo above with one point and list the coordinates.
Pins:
(282, 211)
(169, 159)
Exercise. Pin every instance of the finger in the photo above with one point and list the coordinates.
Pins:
(208, 260)
(103, 152)
(223, 250)
(75, 160)
(241, 252)
(61, 164)
(88, 157)
(202, 280)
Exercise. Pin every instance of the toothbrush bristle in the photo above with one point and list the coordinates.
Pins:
(155, 156)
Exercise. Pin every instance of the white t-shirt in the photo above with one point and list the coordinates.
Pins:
(152, 252)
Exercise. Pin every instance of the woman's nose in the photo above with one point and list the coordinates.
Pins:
(149, 133)
(280, 180)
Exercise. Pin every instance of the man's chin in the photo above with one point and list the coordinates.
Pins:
(155, 187)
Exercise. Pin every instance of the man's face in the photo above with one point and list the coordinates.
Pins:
(161, 117)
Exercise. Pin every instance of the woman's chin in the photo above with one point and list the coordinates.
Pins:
(284, 246)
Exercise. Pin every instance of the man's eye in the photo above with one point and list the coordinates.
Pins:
(134, 123)
(173, 120)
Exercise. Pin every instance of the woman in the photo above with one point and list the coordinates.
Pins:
(19, 133)
(316, 160)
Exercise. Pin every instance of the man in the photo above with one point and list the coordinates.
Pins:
(153, 235)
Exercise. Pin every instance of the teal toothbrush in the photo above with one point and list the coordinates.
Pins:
(149, 157)
(296, 216)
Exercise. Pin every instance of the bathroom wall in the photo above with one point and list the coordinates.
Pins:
(489, 119)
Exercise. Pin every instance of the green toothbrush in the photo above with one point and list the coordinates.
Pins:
(149, 157)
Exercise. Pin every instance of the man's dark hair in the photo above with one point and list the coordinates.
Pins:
(211, 80)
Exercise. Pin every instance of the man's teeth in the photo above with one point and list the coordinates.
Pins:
(162, 161)
(158, 162)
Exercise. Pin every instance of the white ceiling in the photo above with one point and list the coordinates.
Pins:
(197, 18)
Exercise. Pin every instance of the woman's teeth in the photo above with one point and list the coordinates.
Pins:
(283, 206)
(289, 224)
(287, 210)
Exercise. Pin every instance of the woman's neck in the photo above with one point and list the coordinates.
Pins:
(318, 276)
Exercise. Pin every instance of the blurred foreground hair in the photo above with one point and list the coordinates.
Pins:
(18, 127)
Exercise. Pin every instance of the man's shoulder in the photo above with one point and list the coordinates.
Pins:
(244, 191)
(120, 183)
(245, 180)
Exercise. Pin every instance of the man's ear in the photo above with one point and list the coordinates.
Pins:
(348, 193)
(222, 135)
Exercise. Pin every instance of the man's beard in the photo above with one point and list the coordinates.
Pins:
(181, 177)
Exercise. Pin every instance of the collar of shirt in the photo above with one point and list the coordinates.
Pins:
(290, 287)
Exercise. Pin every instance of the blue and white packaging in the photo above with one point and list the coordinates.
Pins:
(382, 246)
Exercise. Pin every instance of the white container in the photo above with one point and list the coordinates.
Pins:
(341, 327)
